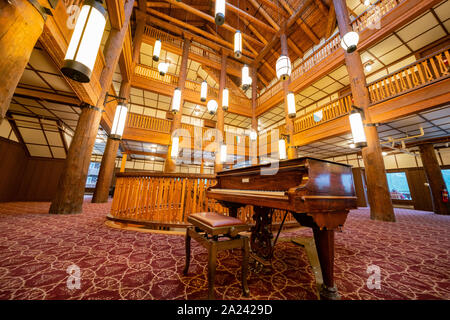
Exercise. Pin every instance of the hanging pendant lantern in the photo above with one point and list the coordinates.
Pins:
(157, 50)
(176, 100)
(163, 67)
(119, 121)
(220, 12)
(283, 67)
(350, 41)
(238, 44)
(203, 91)
(225, 99)
(86, 38)
(246, 80)
(282, 149)
(357, 127)
(175, 147)
(212, 106)
(291, 105)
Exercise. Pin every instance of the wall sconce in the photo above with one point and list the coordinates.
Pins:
(225, 95)
(120, 117)
(253, 135)
(350, 41)
(85, 42)
(291, 105)
(157, 50)
(176, 100)
(203, 91)
(356, 123)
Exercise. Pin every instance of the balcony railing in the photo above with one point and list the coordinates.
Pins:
(140, 121)
(422, 72)
(330, 111)
(163, 200)
(362, 22)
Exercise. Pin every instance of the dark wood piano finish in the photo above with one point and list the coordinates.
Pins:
(318, 193)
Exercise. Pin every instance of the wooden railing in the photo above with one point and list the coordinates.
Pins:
(330, 111)
(163, 200)
(140, 121)
(153, 74)
(422, 72)
(363, 21)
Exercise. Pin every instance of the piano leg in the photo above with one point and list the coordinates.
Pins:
(324, 240)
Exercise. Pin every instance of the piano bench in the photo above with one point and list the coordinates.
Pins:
(209, 229)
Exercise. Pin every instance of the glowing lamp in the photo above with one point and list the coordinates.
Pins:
(119, 121)
(157, 50)
(283, 68)
(220, 12)
(291, 105)
(176, 100)
(225, 94)
(238, 44)
(212, 106)
(86, 37)
(203, 91)
(350, 41)
(357, 126)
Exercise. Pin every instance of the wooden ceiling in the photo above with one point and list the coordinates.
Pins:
(260, 21)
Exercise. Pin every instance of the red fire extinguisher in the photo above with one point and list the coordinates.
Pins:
(445, 196)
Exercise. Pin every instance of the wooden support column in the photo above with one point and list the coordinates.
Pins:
(254, 144)
(123, 162)
(218, 166)
(169, 164)
(21, 25)
(291, 151)
(377, 187)
(434, 177)
(70, 195)
(106, 173)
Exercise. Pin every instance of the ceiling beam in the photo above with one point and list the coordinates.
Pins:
(210, 19)
(144, 153)
(322, 7)
(195, 29)
(282, 30)
(159, 4)
(306, 29)
(239, 12)
(331, 22)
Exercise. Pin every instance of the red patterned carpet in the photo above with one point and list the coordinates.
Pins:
(36, 249)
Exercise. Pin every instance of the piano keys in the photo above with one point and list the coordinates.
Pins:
(318, 193)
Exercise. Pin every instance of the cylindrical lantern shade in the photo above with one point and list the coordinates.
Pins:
(283, 68)
(238, 44)
(212, 106)
(282, 149)
(357, 126)
(157, 50)
(163, 67)
(86, 37)
(225, 99)
(253, 135)
(203, 91)
(176, 100)
(291, 105)
(350, 41)
(220, 12)
(246, 80)
(223, 153)
(175, 146)
(119, 121)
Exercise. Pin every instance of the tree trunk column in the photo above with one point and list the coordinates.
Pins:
(218, 166)
(20, 28)
(434, 177)
(170, 165)
(106, 173)
(291, 152)
(70, 195)
(253, 148)
(378, 191)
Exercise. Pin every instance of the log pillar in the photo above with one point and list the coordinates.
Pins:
(21, 25)
(218, 166)
(169, 164)
(435, 179)
(254, 144)
(377, 187)
(70, 194)
(291, 151)
(106, 173)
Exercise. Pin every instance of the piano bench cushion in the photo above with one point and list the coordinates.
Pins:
(215, 220)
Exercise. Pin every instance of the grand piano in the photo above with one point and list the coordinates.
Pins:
(316, 192)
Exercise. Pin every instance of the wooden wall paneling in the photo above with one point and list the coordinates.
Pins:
(13, 159)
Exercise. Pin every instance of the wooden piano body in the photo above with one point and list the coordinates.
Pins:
(318, 193)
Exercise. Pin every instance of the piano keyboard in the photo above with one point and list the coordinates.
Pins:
(257, 193)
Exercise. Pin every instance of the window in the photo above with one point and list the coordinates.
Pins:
(94, 168)
(398, 186)
(446, 175)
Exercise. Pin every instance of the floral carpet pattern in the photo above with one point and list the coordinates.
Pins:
(36, 250)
